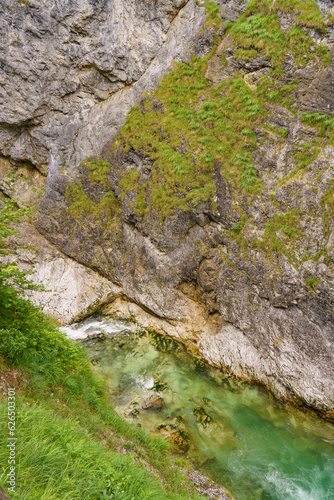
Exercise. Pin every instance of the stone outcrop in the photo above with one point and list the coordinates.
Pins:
(73, 290)
(153, 402)
(70, 73)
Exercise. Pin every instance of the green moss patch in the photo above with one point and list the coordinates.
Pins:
(98, 171)
(83, 207)
(258, 29)
(327, 202)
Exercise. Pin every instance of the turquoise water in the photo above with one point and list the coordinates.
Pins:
(237, 433)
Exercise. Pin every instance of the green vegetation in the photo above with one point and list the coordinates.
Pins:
(238, 227)
(68, 433)
(212, 14)
(197, 126)
(129, 182)
(246, 54)
(98, 171)
(13, 282)
(188, 126)
(312, 282)
(83, 207)
(189, 130)
(327, 202)
(324, 124)
(283, 132)
(307, 12)
(258, 29)
(303, 155)
(280, 231)
(282, 234)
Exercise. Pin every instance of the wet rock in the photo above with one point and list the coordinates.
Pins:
(132, 410)
(201, 415)
(210, 429)
(178, 439)
(153, 402)
(164, 429)
(93, 338)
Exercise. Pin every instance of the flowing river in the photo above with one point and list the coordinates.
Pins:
(233, 431)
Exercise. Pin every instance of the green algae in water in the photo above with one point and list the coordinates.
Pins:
(238, 434)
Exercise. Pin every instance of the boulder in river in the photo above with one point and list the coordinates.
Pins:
(153, 402)
(177, 437)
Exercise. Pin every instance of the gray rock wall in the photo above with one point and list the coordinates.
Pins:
(71, 70)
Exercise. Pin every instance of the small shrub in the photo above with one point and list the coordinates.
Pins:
(12, 343)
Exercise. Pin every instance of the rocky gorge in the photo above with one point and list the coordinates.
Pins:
(181, 155)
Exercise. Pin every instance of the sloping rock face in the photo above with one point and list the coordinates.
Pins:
(63, 61)
(212, 214)
(73, 291)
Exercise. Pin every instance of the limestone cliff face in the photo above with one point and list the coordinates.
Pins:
(241, 267)
(70, 71)
(63, 62)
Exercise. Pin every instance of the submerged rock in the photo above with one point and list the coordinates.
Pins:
(178, 439)
(201, 415)
(132, 410)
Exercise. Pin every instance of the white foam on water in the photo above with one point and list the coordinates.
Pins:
(287, 487)
(108, 326)
(145, 382)
(78, 331)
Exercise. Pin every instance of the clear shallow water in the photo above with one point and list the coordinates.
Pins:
(238, 434)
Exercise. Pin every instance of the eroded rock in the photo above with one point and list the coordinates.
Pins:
(74, 291)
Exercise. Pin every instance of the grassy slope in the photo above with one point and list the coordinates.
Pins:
(188, 122)
(71, 443)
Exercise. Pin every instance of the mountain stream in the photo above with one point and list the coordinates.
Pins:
(233, 431)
